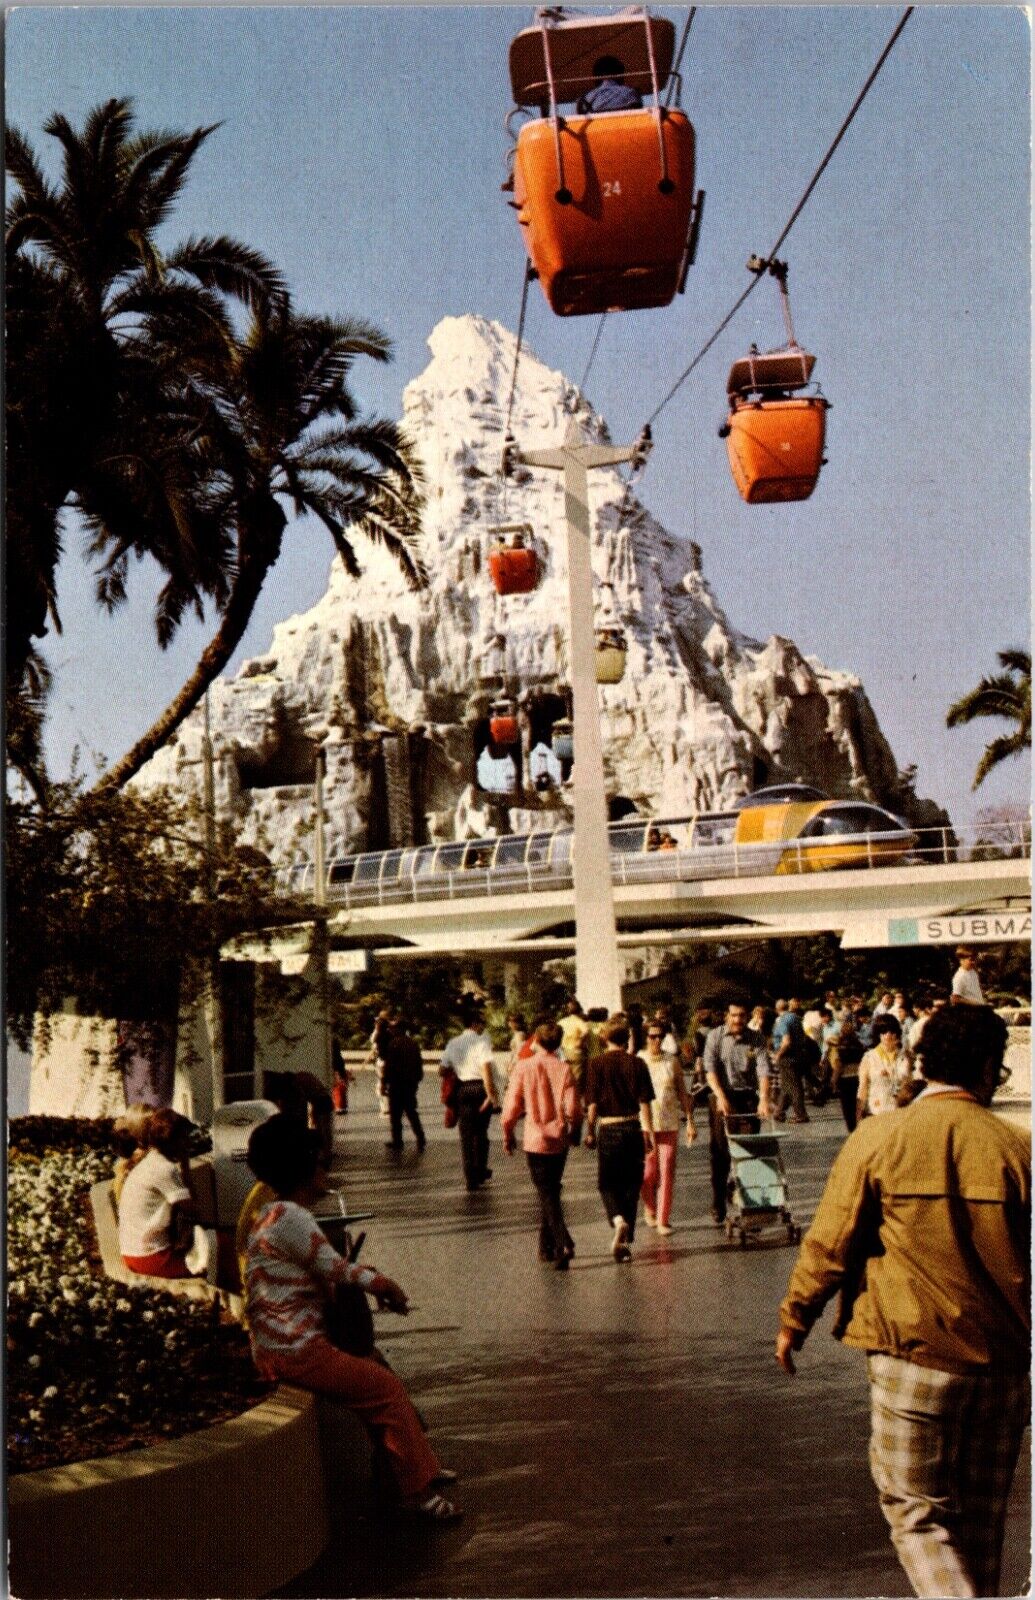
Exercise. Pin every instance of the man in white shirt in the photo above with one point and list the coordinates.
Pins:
(469, 1055)
(812, 1022)
(966, 985)
(913, 1037)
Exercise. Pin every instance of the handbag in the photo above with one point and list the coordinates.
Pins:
(448, 1087)
(350, 1321)
(348, 1318)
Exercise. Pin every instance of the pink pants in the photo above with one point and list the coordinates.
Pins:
(659, 1172)
(374, 1393)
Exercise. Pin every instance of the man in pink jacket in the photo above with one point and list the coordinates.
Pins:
(542, 1090)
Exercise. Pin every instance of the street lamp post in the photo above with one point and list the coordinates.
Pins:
(321, 932)
(597, 975)
(213, 1009)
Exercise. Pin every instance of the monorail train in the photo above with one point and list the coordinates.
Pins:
(789, 828)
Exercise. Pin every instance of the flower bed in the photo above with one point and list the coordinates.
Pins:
(95, 1367)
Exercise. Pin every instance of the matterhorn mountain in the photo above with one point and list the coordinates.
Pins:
(396, 686)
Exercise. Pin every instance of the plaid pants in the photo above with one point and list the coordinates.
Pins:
(943, 1449)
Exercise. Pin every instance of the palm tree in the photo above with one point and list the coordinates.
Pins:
(277, 426)
(25, 713)
(1008, 695)
(94, 419)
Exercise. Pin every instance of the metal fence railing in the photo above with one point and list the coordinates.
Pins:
(929, 847)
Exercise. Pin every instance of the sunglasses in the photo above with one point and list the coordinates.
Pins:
(655, 1036)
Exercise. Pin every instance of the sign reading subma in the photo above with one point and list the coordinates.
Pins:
(976, 927)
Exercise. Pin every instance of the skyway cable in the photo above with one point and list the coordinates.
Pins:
(517, 358)
(674, 74)
(592, 353)
(795, 214)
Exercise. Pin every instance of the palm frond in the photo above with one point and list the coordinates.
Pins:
(338, 535)
(156, 166)
(232, 268)
(23, 167)
(73, 160)
(360, 484)
(172, 602)
(295, 487)
(381, 440)
(38, 678)
(165, 182)
(998, 750)
(183, 323)
(110, 583)
(1016, 660)
(105, 131)
(149, 254)
(26, 226)
(354, 334)
(390, 445)
(992, 697)
(386, 531)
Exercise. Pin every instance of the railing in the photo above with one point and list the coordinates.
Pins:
(931, 847)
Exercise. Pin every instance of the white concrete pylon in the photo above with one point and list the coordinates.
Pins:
(597, 972)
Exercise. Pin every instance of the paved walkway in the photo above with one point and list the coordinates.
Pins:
(618, 1430)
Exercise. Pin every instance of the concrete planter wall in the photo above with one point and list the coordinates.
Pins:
(234, 1510)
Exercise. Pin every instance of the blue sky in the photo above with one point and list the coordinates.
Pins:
(363, 148)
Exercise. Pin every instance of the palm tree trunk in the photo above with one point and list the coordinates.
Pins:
(214, 658)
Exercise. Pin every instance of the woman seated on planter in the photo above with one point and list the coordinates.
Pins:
(128, 1137)
(156, 1216)
(291, 1271)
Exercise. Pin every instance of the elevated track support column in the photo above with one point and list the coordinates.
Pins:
(597, 972)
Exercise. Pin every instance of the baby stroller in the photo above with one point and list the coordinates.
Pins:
(758, 1183)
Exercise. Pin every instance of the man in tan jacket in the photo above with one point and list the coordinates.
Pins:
(924, 1230)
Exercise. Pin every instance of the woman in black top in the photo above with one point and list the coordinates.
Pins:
(618, 1094)
(847, 1051)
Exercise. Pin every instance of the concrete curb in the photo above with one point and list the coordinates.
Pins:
(234, 1510)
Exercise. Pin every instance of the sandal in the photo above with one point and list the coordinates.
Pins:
(436, 1508)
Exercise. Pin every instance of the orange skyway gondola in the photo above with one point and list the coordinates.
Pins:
(514, 566)
(503, 723)
(605, 200)
(774, 437)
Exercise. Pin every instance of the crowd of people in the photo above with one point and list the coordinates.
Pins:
(750, 1063)
(923, 1230)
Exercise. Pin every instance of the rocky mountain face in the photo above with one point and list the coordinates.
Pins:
(396, 686)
